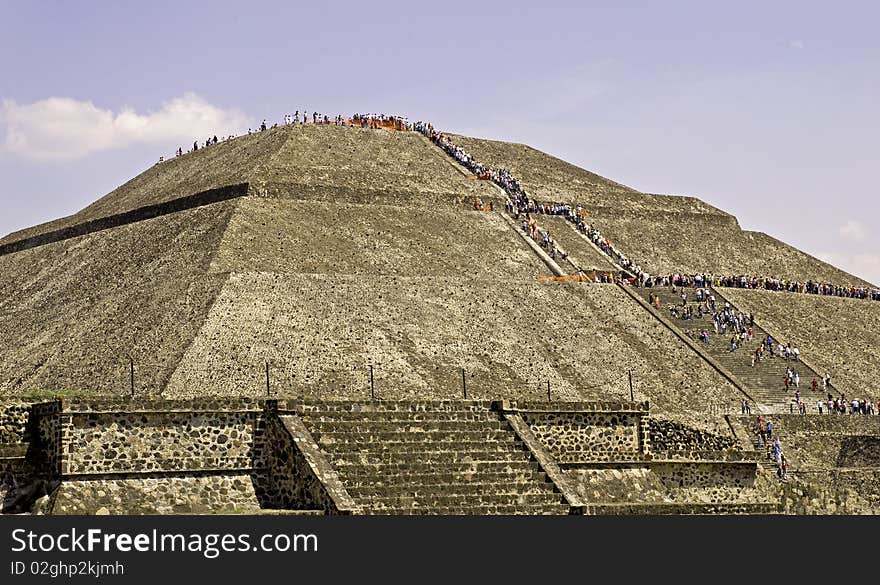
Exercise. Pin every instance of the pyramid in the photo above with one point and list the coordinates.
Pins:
(318, 252)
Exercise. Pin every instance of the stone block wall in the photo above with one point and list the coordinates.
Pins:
(104, 437)
(710, 482)
(119, 456)
(14, 418)
(48, 446)
(587, 436)
(666, 435)
(299, 477)
(228, 492)
(826, 493)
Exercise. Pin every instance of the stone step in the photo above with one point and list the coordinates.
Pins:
(441, 477)
(461, 501)
(515, 510)
(765, 380)
(354, 426)
(440, 457)
(463, 448)
(366, 472)
(392, 406)
(364, 438)
(404, 417)
(682, 508)
(420, 492)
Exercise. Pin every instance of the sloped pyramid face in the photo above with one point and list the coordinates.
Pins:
(325, 250)
(668, 234)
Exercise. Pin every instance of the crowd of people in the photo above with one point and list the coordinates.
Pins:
(761, 283)
(763, 430)
(315, 118)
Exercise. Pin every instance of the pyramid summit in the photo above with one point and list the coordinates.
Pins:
(324, 264)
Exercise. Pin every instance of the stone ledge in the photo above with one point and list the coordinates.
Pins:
(125, 406)
(575, 406)
(665, 508)
(316, 463)
(140, 214)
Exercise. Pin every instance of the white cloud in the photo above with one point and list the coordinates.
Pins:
(64, 128)
(854, 231)
(796, 44)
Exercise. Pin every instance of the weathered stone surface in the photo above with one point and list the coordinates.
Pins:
(158, 495)
(72, 312)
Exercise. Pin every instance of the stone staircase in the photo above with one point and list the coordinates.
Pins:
(430, 458)
(765, 381)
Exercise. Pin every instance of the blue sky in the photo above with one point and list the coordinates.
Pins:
(765, 109)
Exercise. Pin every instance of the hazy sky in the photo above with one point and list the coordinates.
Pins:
(768, 110)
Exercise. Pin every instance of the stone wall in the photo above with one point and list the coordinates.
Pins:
(102, 437)
(201, 494)
(14, 417)
(165, 457)
(709, 482)
(667, 435)
(298, 472)
(827, 493)
(587, 436)
(666, 482)
(49, 445)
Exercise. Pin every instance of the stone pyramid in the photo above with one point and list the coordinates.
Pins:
(322, 251)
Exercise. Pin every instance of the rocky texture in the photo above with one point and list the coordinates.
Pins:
(581, 254)
(157, 442)
(72, 312)
(14, 416)
(667, 243)
(666, 435)
(158, 495)
(546, 177)
(511, 337)
(829, 494)
(859, 451)
(668, 482)
(364, 166)
(345, 239)
(154, 457)
(836, 335)
(582, 436)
